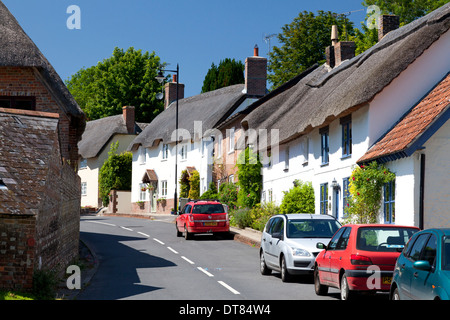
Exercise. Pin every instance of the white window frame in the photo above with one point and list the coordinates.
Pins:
(165, 151)
(142, 194)
(84, 188)
(164, 188)
(231, 141)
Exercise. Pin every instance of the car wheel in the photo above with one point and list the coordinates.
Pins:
(395, 295)
(187, 235)
(321, 290)
(263, 267)
(346, 293)
(285, 276)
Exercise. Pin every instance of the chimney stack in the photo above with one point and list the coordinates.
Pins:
(128, 113)
(255, 74)
(339, 50)
(170, 89)
(386, 24)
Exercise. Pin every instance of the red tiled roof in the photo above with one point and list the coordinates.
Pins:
(413, 125)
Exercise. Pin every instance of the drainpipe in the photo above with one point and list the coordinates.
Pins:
(421, 191)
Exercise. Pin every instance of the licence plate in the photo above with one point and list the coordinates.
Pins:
(210, 224)
(387, 280)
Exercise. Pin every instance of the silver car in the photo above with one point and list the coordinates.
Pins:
(288, 242)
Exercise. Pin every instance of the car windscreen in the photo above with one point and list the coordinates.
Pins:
(208, 208)
(311, 228)
(446, 253)
(383, 239)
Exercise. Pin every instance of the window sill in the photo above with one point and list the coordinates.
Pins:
(346, 156)
(324, 164)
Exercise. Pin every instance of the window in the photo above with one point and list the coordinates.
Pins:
(84, 188)
(165, 151)
(277, 226)
(164, 188)
(346, 123)
(324, 198)
(183, 152)
(417, 248)
(24, 103)
(286, 159)
(231, 140)
(83, 163)
(142, 192)
(325, 145)
(231, 178)
(335, 240)
(219, 146)
(270, 195)
(345, 195)
(142, 155)
(305, 150)
(389, 202)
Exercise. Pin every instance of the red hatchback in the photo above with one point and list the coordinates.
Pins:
(202, 216)
(360, 258)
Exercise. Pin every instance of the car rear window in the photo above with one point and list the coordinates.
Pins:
(311, 228)
(383, 239)
(208, 208)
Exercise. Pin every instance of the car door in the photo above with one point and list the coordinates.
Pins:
(406, 266)
(266, 238)
(181, 220)
(272, 251)
(324, 266)
(422, 281)
(337, 254)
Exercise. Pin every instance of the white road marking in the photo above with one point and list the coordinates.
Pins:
(205, 272)
(191, 262)
(126, 228)
(228, 287)
(144, 234)
(108, 224)
(159, 241)
(172, 250)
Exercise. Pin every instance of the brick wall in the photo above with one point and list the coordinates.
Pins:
(22, 81)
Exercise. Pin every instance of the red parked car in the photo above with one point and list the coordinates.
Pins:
(202, 216)
(360, 258)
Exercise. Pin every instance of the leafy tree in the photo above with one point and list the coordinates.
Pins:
(115, 173)
(194, 183)
(127, 78)
(249, 178)
(366, 183)
(228, 194)
(303, 43)
(299, 199)
(227, 73)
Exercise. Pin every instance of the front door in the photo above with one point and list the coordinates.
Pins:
(153, 195)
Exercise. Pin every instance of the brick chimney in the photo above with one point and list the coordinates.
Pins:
(255, 74)
(386, 24)
(128, 113)
(170, 90)
(339, 50)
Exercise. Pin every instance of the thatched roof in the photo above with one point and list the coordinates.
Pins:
(18, 50)
(324, 95)
(99, 132)
(210, 108)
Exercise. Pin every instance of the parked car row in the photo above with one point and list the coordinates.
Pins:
(402, 260)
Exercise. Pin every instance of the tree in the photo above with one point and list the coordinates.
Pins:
(249, 178)
(127, 78)
(407, 10)
(303, 44)
(227, 73)
(115, 173)
(299, 199)
(366, 183)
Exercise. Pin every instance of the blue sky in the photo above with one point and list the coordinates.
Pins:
(192, 33)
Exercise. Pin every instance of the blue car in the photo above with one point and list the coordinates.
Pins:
(422, 271)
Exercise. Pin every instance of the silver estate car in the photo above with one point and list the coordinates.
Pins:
(288, 242)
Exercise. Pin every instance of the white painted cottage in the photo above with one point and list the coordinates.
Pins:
(154, 149)
(329, 118)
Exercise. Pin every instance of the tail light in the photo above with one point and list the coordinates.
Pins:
(357, 259)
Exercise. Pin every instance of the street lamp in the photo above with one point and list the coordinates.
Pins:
(160, 77)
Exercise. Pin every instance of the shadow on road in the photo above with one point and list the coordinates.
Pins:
(116, 277)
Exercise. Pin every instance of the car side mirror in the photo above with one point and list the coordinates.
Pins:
(320, 245)
(422, 265)
(277, 235)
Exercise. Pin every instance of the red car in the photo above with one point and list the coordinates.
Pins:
(202, 216)
(360, 258)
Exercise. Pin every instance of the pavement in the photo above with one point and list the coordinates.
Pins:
(89, 261)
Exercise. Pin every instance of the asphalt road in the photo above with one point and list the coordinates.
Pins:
(142, 259)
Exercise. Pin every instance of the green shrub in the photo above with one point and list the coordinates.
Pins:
(228, 194)
(241, 217)
(299, 199)
(261, 213)
(44, 284)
